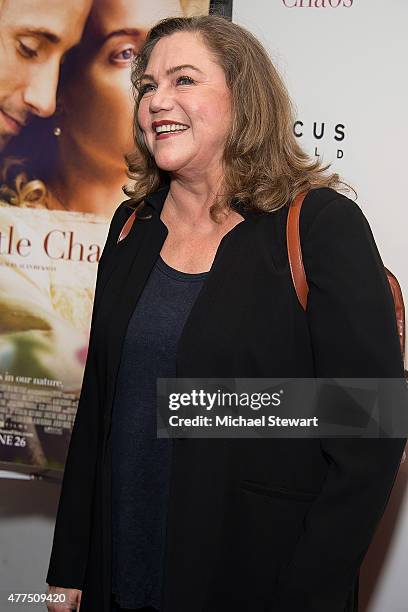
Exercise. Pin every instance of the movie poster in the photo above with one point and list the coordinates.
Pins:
(65, 125)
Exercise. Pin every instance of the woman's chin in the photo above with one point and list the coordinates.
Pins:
(170, 164)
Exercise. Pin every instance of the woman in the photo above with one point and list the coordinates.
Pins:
(201, 287)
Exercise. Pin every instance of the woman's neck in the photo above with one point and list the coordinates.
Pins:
(190, 198)
(82, 183)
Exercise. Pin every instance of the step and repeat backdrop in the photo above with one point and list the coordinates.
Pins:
(344, 63)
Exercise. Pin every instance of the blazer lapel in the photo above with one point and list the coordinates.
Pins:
(129, 271)
(121, 250)
(125, 250)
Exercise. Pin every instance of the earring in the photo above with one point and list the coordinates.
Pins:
(57, 131)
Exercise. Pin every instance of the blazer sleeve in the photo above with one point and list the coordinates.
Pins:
(354, 334)
(73, 522)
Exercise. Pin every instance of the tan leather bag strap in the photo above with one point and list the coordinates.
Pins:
(297, 269)
(399, 307)
(127, 226)
(299, 276)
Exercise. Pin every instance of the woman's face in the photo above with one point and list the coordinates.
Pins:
(195, 95)
(97, 104)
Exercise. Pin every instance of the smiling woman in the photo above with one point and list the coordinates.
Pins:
(200, 286)
(259, 151)
(194, 95)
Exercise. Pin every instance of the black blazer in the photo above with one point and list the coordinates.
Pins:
(254, 525)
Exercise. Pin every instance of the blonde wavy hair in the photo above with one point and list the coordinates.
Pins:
(264, 166)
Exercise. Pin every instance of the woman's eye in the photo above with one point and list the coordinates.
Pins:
(145, 88)
(187, 78)
(124, 55)
(183, 80)
(26, 51)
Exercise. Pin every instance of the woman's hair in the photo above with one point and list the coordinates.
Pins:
(264, 166)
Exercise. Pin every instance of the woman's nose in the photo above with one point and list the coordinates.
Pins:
(161, 100)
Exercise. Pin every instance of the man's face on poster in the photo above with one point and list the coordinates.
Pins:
(34, 36)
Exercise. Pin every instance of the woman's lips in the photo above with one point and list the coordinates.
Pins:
(13, 126)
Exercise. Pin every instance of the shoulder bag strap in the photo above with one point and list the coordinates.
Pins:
(127, 226)
(295, 251)
(293, 245)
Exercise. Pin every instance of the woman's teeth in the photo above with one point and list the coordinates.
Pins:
(170, 128)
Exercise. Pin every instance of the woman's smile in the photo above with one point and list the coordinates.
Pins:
(170, 130)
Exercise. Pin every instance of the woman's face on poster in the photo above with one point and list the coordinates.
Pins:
(97, 102)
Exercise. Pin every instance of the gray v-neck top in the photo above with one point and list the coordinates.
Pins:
(141, 461)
